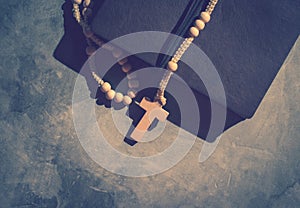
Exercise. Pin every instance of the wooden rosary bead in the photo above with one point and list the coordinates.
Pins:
(127, 100)
(105, 87)
(118, 97)
(126, 67)
(108, 47)
(96, 40)
(133, 84)
(131, 94)
(200, 24)
(110, 94)
(99, 42)
(194, 32)
(123, 61)
(131, 76)
(88, 32)
(205, 16)
(77, 1)
(87, 12)
(172, 66)
(90, 50)
(117, 53)
(86, 3)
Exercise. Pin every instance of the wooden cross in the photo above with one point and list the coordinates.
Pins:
(153, 110)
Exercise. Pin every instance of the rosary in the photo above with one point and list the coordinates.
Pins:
(154, 109)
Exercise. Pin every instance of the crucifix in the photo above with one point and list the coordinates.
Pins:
(153, 110)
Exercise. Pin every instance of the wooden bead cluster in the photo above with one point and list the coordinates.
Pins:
(194, 32)
(199, 24)
(93, 43)
(172, 66)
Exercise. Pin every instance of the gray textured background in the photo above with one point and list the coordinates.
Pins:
(43, 165)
